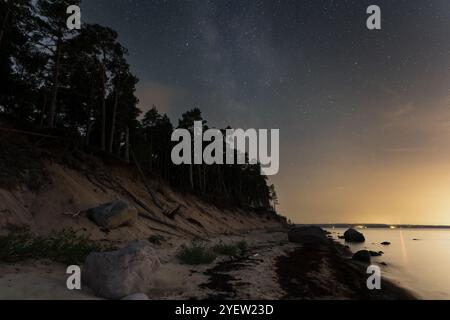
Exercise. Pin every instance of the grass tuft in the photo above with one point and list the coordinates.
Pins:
(196, 254)
(230, 249)
(225, 249)
(242, 245)
(65, 246)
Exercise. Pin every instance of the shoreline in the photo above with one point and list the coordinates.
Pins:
(329, 273)
(272, 268)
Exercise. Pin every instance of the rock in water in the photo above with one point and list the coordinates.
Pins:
(118, 274)
(386, 243)
(113, 215)
(376, 254)
(308, 236)
(351, 235)
(362, 256)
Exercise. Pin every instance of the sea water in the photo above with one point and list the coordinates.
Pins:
(417, 259)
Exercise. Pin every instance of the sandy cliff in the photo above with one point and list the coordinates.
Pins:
(47, 190)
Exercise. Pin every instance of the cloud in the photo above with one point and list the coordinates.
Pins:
(415, 128)
(430, 119)
(154, 93)
(401, 116)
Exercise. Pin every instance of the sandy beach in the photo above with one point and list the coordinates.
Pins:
(272, 268)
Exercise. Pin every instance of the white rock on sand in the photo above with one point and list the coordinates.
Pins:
(117, 274)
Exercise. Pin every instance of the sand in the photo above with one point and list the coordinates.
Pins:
(43, 279)
(271, 269)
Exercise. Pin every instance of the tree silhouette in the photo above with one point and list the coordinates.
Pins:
(80, 82)
(54, 34)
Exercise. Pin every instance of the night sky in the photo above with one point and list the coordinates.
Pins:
(364, 116)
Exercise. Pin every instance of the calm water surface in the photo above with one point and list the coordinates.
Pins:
(422, 265)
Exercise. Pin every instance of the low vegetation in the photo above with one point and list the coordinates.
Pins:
(65, 246)
(242, 245)
(198, 253)
(230, 249)
(225, 249)
(195, 254)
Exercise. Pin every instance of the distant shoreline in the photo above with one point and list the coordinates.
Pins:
(376, 226)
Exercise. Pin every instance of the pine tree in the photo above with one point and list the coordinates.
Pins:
(52, 29)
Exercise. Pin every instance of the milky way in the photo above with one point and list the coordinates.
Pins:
(363, 114)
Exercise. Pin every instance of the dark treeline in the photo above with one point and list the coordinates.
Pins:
(80, 82)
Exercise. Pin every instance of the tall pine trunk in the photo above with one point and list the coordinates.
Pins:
(191, 176)
(151, 154)
(44, 108)
(5, 22)
(204, 179)
(90, 123)
(103, 133)
(127, 144)
(89, 126)
(113, 120)
(54, 97)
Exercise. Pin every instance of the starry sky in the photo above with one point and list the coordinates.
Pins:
(364, 116)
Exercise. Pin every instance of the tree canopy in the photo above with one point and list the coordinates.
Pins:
(80, 81)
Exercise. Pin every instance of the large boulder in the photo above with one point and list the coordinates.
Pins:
(351, 235)
(113, 215)
(362, 256)
(118, 274)
(308, 236)
(137, 297)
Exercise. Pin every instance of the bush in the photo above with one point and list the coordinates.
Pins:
(65, 246)
(230, 249)
(242, 245)
(196, 254)
(226, 249)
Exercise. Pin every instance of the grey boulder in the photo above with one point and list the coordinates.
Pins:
(308, 236)
(137, 297)
(113, 215)
(351, 235)
(118, 274)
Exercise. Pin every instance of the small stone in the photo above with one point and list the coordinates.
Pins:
(362, 256)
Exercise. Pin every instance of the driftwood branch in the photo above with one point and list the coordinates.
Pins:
(74, 214)
(170, 225)
(144, 179)
(109, 182)
(165, 231)
(139, 202)
(171, 214)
